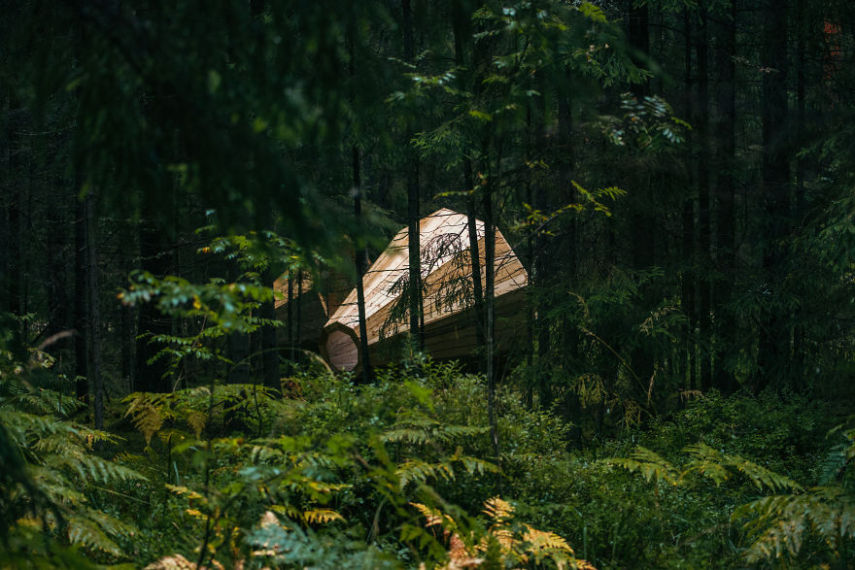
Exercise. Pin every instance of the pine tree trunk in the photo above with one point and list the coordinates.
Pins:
(13, 213)
(489, 306)
(462, 35)
(688, 239)
(414, 275)
(800, 209)
(774, 336)
(702, 155)
(289, 324)
(643, 223)
(474, 253)
(360, 258)
(81, 303)
(725, 195)
(93, 330)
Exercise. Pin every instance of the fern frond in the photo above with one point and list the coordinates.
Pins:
(420, 430)
(321, 516)
(541, 544)
(499, 510)
(91, 467)
(474, 465)
(777, 525)
(289, 511)
(435, 517)
(421, 471)
(761, 477)
(87, 534)
(55, 485)
(407, 435)
(196, 419)
(649, 464)
(707, 462)
(147, 415)
(186, 492)
(713, 464)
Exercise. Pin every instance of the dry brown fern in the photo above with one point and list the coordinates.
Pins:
(520, 545)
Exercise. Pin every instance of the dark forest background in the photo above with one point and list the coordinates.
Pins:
(675, 175)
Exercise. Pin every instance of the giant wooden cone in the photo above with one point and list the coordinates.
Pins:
(449, 321)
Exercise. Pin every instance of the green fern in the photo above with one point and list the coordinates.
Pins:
(649, 464)
(779, 525)
(50, 469)
(420, 430)
(718, 466)
(418, 471)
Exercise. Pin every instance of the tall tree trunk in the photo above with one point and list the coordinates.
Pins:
(639, 39)
(289, 323)
(570, 335)
(13, 212)
(127, 314)
(799, 206)
(642, 220)
(128, 340)
(688, 239)
(93, 329)
(414, 233)
(360, 257)
(774, 341)
(702, 155)
(725, 194)
(81, 303)
(461, 26)
(489, 305)
(474, 252)
(298, 325)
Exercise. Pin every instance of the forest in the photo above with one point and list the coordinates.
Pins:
(425, 284)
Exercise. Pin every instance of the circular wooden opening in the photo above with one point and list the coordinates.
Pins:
(341, 350)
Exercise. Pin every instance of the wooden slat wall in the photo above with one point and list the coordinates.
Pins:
(446, 274)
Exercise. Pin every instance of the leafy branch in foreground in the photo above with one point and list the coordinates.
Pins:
(51, 470)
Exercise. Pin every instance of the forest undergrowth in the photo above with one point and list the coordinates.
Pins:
(401, 473)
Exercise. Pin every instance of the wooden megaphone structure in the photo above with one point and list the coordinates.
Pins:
(447, 303)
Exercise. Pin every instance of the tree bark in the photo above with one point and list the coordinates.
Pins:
(93, 329)
(774, 336)
(702, 155)
(489, 306)
(688, 238)
(414, 250)
(13, 212)
(290, 318)
(360, 257)
(81, 304)
(725, 195)
(639, 40)
(462, 34)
